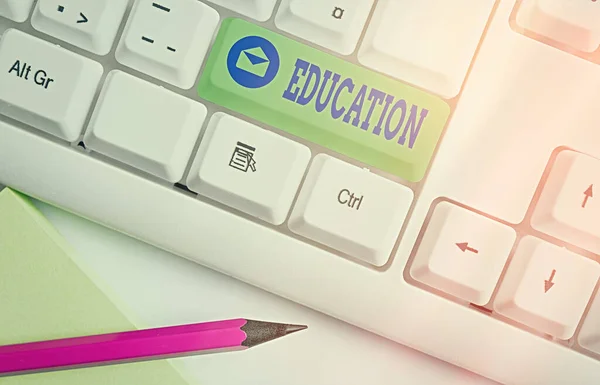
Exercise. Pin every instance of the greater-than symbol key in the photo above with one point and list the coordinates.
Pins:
(88, 24)
(83, 19)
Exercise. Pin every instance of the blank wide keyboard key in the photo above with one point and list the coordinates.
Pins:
(145, 126)
(589, 336)
(260, 10)
(88, 24)
(248, 168)
(568, 208)
(575, 23)
(333, 24)
(547, 287)
(462, 253)
(44, 85)
(17, 10)
(429, 43)
(351, 210)
(168, 39)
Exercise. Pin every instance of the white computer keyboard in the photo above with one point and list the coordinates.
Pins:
(424, 169)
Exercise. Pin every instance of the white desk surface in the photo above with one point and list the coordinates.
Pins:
(162, 289)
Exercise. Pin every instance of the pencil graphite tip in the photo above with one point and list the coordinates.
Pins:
(258, 332)
(294, 328)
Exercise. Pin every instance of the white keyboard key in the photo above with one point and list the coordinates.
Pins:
(248, 168)
(589, 336)
(260, 10)
(88, 24)
(17, 10)
(145, 126)
(350, 209)
(168, 39)
(568, 208)
(333, 24)
(572, 22)
(462, 253)
(547, 287)
(429, 43)
(46, 86)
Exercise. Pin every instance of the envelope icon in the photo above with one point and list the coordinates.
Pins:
(253, 60)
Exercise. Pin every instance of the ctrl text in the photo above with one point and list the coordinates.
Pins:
(25, 71)
(350, 199)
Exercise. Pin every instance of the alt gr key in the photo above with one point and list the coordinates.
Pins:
(44, 85)
(24, 71)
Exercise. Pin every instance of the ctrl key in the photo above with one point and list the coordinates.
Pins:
(351, 210)
(44, 85)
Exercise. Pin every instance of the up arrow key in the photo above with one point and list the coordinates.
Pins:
(83, 19)
(588, 193)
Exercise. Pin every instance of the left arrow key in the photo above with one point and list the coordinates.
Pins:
(468, 269)
(464, 246)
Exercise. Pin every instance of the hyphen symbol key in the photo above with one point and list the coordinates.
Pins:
(161, 7)
(165, 9)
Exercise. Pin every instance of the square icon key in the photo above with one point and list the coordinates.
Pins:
(248, 168)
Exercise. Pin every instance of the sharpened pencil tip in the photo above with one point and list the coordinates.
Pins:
(289, 329)
(258, 332)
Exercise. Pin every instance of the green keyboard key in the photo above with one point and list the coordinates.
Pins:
(362, 114)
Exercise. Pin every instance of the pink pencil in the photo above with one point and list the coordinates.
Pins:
(139, 345)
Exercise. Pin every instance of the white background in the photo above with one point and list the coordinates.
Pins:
(161, 289)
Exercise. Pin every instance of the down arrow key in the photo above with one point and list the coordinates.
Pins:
(548, 283)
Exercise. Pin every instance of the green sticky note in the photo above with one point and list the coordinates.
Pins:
(319, 97)
(45, 294)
